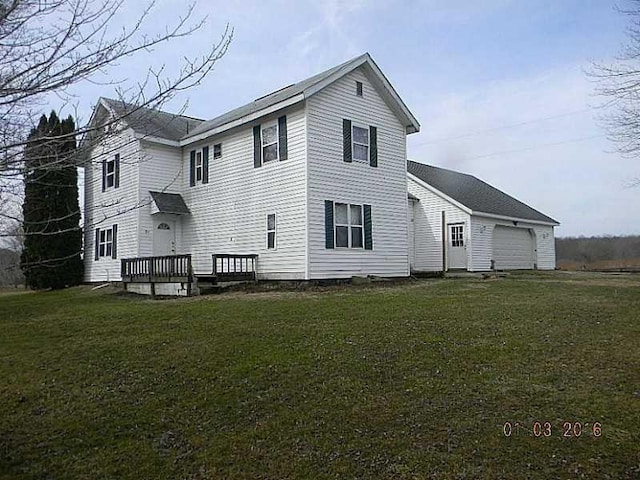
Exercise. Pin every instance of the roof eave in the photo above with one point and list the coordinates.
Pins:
(243, 120)
(515, 219)
(154, 139)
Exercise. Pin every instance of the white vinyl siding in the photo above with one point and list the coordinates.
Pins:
(330, 178)
(113, 206)
(427, 227)
(161, 171)
(228, 214)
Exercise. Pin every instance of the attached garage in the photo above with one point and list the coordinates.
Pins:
(513, 248)
(461, 222)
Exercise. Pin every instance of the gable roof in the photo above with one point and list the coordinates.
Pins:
(170, 203)
(151, 122)
(304, 89)
(475, 194)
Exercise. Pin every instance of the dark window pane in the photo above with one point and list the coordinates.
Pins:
(101, 250)
(271, 240)
(270, 153)
(271, 222)
(360, 152)
(342, 236)
(356, 237)
(217, 150)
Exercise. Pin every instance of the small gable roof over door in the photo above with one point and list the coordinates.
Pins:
(169, 203)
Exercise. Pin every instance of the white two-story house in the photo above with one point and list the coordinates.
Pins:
(309, 182)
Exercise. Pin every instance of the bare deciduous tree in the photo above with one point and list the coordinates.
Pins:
(49, 46)
(619, 83)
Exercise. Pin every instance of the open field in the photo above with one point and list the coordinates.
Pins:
(413, 380)
(627, 264)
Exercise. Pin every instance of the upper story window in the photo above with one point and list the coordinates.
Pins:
(199, 166)
(359, 89)
(111, 172)
(217, 150)
(360, 138)
(359, 143)
(271, 231)
(269, 136)
(270, 142)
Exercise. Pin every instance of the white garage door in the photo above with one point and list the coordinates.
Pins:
(512, 248)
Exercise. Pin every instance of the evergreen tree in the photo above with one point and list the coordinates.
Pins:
(51, 213)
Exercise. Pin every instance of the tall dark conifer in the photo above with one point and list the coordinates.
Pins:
(53, 239)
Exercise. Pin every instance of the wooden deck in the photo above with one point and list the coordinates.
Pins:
(177, 269)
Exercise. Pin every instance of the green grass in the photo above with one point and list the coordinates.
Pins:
(396, 381)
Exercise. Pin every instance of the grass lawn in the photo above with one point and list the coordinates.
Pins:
(414, 380)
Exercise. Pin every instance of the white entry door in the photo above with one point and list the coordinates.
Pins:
(457, 254)
(164, 238)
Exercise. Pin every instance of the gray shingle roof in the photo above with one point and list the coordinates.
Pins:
(170, 203)
(475, 194)
(272, 98)
(155, 123)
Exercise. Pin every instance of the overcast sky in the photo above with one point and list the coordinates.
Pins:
(499, 86)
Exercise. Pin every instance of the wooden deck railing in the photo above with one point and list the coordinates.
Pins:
(170, 268)
(232, 268)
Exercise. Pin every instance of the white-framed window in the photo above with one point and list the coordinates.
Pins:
(360, 143)
(110, 176)
(358, 89)
(198, 166)
(269, 134)
(110, 172)
(349, 231)
(271, 231)
(457, 235)
(217, 150)
(105, 243)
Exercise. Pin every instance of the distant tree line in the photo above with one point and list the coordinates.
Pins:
(592, 249)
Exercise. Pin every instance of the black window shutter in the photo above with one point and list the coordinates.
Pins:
(346, 140)
(97, 242)
(114, 246)
(192, 169)
(104, 174)
(373, 146)
(116, 167)
(257, 147)
(328, 223)
(368, 238)
(205, 164)
(282, 133)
